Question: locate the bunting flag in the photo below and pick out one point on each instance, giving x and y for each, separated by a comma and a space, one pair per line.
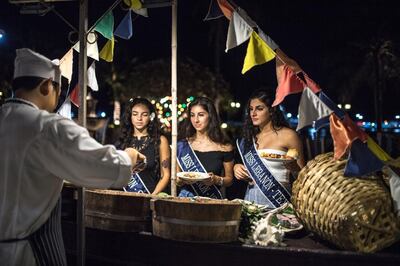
377, 150
92, 80
74, 96
65, 109
290, 83
268, 40
214, 11
238, 32
106, 26
361, 160
394, 183
107, 53
226, 8
124, 29
92, 50
66, 65
344, 133
142, 12
331, 105
258, 52
311, 108
133, 4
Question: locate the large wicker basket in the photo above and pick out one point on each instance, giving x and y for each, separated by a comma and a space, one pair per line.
352, 213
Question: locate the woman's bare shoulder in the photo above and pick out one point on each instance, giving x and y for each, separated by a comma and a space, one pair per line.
226, 147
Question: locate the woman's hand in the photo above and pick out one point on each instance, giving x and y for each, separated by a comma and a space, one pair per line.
210, 181
241, 173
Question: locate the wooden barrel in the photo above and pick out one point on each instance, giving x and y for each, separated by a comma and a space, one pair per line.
210, 221
117, 210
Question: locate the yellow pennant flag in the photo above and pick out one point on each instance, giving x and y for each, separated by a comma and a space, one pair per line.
107, 53
133, 4
378, 151
258, 52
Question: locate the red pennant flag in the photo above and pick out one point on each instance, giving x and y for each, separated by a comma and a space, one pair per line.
344, 133
287, 75
74, 96
226, 8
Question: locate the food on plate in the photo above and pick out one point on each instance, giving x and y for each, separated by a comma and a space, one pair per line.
191, 175
293, 153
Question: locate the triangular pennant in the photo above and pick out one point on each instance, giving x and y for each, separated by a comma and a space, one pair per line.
258, 52
92, 80
290, 83
214, 11
361, 160
226, 8
238, 32
74, 96
65, 109
142, 12
106, 26
268, 40
124, 29
311, 108
325, 121
394, 183
107, 53
133, 4
377, 150
66, 64
344, 133
92, 50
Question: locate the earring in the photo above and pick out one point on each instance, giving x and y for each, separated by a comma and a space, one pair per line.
152, 116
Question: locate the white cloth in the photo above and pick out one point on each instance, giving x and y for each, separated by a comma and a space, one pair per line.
311, 108
238, 32
38, 150
280, 173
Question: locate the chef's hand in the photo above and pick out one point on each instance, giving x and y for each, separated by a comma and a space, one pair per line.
241, 173
138, 160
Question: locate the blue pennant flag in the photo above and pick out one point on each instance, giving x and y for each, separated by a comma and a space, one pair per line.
214, 11
361, 160
325, 120
124, 29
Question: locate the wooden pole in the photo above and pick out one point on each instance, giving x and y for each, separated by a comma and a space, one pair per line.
83, 27
174, 95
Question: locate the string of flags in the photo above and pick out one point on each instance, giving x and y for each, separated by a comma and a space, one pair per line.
315, 107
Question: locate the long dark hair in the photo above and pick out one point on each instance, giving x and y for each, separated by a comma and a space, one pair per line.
214, 131
153, 129
278, 120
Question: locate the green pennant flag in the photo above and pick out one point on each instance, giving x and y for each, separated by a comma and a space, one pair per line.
106, 26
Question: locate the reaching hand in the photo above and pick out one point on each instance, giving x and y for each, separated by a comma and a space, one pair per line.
241, 173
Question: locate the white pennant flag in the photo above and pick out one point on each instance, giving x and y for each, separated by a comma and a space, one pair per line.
65, 109
238, 32
92, 49
311, 108
66, 63
92, 80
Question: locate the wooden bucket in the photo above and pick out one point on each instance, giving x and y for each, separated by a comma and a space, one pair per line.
210, 221
117, 210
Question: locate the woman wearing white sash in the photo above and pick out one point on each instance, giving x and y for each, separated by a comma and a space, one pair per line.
266, 129
205, 143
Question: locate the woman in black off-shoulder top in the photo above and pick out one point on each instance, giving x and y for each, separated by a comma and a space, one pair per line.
202, 131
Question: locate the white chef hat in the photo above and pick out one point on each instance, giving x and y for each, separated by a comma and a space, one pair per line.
31, 64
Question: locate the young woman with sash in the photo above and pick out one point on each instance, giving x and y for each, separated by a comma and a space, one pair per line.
202, 147
266, 131
141, 129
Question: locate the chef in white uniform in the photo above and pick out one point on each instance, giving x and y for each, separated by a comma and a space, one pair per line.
38, 150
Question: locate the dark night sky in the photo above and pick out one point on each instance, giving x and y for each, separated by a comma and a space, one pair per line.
311, 32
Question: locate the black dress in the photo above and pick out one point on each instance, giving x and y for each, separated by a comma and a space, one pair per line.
149, 176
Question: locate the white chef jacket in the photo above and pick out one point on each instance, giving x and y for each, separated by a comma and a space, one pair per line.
38, 150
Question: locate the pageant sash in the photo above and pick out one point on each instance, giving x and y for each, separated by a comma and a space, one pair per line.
136, 184
189, 162
275, 193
